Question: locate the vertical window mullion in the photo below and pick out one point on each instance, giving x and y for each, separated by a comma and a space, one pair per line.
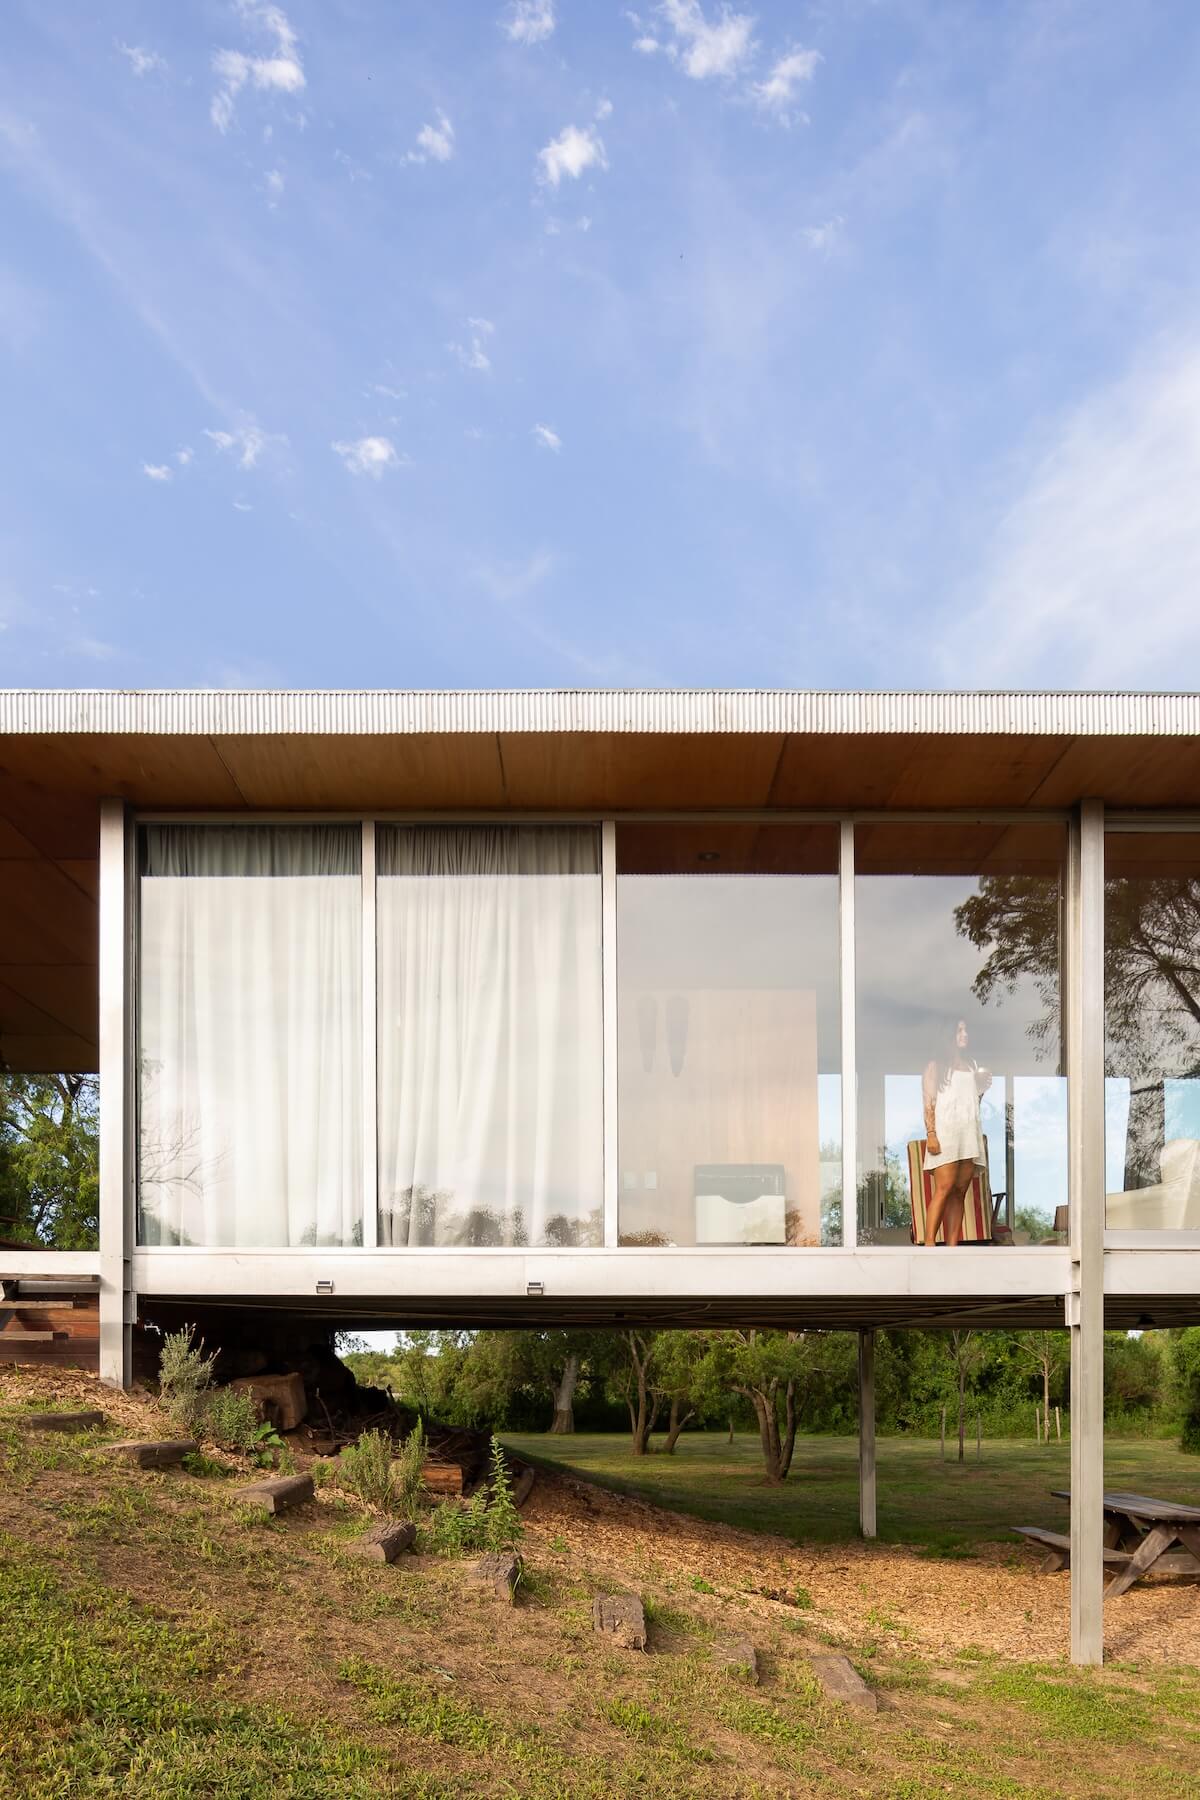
608, 953
849, 1022
370, 1007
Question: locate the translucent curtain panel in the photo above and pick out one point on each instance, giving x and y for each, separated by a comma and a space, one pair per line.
490, 1035
250, 1036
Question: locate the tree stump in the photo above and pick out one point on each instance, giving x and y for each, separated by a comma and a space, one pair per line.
442, 1478
280, 1399
501, 1573
384, 1542
840, 1681
737, 1656
277, 1496
622, 1618
166, 1455
63, 1421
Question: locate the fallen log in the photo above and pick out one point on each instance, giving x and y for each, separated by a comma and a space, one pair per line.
277, 1496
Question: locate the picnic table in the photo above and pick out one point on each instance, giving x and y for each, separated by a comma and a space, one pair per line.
1147, 1529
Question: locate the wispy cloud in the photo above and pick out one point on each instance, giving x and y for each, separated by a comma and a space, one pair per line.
824, 238
777, 93
183, 455
1094, 571
274, 183
572, 152
371, 456
472, 354
547, 438
435, 143
157, 471
142, 61
280, 70
704, 49
246, 444
529, 21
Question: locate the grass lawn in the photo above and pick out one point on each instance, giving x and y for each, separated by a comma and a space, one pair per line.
921, 1500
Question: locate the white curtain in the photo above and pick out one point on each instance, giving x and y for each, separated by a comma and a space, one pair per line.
490, 1035
250, 1035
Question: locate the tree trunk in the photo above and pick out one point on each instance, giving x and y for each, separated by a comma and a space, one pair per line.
1145, 1134
789, 1441
962, 1395
564, 1396
675, 1424
644, 1417
763, 1401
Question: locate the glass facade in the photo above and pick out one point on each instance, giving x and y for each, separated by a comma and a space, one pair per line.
728, 1034
250, 1035
1152, 1030
961, 1091
490, 1035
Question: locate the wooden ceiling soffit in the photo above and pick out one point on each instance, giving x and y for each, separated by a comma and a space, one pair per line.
1124, 772
598, 772
37, 1055
386, 773
61, 997
148, 771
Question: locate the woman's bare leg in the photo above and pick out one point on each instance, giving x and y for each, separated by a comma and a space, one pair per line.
952, 1221
943, 1187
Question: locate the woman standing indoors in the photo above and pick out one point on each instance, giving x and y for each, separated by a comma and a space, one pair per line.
954, 1146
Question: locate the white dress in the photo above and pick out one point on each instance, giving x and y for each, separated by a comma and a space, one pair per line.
956, 1120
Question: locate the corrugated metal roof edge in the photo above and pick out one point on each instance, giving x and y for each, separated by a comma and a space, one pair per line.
222, 712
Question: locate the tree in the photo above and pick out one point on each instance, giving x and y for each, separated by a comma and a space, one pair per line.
1047, 1355
50, 1159
968, 1353
630, 1379
677, 1355
1185, 1359
778, 1372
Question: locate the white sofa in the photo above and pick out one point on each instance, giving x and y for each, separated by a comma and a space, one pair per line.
1172, 1205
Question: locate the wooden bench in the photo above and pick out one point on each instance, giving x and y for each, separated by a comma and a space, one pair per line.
1058, 1546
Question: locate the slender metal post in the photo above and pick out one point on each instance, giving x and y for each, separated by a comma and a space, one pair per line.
117, 1109
370, 1041
849, 1074
608, 951
866, 1433
1085, 1302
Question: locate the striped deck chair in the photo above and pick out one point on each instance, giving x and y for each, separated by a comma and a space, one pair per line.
978, 1226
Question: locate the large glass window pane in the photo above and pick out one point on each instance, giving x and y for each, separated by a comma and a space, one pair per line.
250, 1035
491, 1039
729, 1034
1152, 1030
960, 1027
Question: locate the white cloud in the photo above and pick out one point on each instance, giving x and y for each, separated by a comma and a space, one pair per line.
280, 70
435, 143
1093, 573
141, 60
473, 355
369, 456
157, 471
246, 444
570, 153
242, 506
355, 170
823, 238
184, 456
529, 21
273, 181
702, 49
547, 438
604, 110
776, 93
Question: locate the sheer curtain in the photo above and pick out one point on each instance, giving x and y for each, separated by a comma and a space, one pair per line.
490, 1035
250, 1045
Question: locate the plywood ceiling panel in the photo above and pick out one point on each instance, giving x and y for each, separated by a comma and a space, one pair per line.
52, 821
913, 771
589, 772
149, 771
383, 773
44, 918
63, 994
1125, 772
37, 1055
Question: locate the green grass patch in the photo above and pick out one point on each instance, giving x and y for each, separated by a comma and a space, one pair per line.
421, 1709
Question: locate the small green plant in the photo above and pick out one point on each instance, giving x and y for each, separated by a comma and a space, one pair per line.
199, 1463
487, 1521
802, 1597
322, 1472
365, 1469
229, 1419
701, 1586
408, 1473
504, 1526
184, 1377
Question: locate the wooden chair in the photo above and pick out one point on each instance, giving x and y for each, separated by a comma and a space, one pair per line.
981, 1208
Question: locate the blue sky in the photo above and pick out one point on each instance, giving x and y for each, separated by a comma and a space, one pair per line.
561, 343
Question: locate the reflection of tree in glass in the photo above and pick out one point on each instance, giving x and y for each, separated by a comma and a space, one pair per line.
1151, 983
429, 1217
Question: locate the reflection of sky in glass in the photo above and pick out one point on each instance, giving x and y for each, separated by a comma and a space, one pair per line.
1181, 1105
1039, 1134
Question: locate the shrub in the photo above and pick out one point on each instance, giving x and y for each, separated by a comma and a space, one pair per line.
184, 1377
487, 1521
365, 1469
230, 1420
504, 1525
407, 1473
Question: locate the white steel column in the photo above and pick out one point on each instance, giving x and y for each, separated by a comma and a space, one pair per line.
608, 951
849, 1059
117, 1109
866, 1433
1085, 1303
370, 1040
